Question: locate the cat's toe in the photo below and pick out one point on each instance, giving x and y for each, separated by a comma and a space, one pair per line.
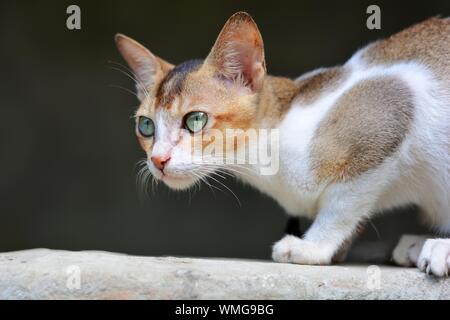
435, 257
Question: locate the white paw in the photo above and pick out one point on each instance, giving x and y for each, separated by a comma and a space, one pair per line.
291, 249
407, 251
435, 257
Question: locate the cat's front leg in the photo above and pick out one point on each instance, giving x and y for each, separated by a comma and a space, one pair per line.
336, 223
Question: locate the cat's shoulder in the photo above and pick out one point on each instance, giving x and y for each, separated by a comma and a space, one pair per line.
366, 124
357, 115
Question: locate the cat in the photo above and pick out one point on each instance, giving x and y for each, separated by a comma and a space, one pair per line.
354, 140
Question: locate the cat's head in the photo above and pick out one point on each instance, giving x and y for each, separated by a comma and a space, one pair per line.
195, 100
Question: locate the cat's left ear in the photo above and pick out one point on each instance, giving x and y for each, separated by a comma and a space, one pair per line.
148, 68
238, 54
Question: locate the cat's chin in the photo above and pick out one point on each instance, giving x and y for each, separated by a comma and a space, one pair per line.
178, 183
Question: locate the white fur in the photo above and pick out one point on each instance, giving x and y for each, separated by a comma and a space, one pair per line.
435, 257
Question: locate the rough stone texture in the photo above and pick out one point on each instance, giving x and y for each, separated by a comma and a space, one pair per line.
49, 274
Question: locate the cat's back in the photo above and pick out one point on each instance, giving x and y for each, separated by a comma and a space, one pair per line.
427, 43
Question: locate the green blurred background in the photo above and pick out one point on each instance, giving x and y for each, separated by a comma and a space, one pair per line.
67, 144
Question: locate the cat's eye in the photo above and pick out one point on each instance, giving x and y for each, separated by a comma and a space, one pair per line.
146, 127
195, 121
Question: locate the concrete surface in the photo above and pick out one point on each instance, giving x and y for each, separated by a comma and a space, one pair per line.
50, 274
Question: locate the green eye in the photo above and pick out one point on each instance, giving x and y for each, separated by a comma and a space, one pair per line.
146, 127
195, 121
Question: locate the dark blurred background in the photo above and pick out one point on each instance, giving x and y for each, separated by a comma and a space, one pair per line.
67, 144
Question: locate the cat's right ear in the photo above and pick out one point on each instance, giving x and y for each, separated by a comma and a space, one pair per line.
238, 54
147, 68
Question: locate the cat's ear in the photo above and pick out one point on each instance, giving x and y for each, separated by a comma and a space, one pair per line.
238, 54
148, 68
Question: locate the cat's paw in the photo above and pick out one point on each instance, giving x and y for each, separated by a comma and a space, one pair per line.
435, 257
291, 249
407, 251
281, 250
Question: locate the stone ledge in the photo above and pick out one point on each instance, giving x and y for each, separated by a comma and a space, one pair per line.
50, 274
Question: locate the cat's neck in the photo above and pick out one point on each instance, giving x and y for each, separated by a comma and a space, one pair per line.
275, 100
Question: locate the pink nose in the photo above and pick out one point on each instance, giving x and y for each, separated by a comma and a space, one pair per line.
160, 162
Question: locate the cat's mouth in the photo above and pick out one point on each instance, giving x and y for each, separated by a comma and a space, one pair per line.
176, 181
